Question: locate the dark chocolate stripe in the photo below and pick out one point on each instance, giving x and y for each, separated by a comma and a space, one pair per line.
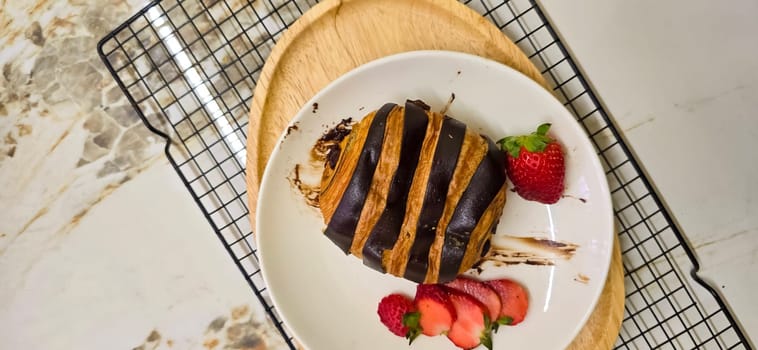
385, 232
445, 161
341, 227
482, 189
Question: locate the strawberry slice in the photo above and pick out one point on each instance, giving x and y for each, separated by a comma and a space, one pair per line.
513, 298
437, 313
399, 315
472, 327
479, 291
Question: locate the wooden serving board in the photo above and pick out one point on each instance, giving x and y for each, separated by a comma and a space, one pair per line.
336, 36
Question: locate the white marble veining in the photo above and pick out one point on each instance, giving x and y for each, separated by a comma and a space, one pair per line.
135, 264
101, 245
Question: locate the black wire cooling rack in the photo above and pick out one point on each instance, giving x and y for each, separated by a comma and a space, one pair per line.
189, 68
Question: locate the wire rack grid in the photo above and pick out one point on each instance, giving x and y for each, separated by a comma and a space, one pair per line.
189, 69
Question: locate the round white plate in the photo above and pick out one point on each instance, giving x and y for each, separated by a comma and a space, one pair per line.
329, 299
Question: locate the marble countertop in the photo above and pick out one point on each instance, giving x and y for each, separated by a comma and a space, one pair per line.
99, 239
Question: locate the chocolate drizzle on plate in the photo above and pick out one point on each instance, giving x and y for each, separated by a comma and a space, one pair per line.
306, 178
583, 200
510, 250
291, 128
581, 278
448, 104
327, 147
309, 192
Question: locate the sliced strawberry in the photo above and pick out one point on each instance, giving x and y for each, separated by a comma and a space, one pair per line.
437, 313
399, 315
480, 291
513, 298
472, 327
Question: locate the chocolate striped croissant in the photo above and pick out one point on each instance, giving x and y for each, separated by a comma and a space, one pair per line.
413, 193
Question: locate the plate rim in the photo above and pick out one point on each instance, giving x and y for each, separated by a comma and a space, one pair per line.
605, 197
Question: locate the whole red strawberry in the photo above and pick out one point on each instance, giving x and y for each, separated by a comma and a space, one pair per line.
535, 165
400, 316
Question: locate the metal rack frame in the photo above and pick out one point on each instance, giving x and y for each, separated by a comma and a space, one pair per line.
189, 67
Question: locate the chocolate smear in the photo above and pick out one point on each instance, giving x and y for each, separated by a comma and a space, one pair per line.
291, 128
327, 148
448, 104
581, 278
583, 200
510, 250
306, 178
310, 192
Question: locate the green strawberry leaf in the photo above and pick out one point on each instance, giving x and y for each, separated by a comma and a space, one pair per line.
486, 337
412, 335
511, 145
486, 340
504, 320
542, 129
411, 320
491, 325
534, 142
